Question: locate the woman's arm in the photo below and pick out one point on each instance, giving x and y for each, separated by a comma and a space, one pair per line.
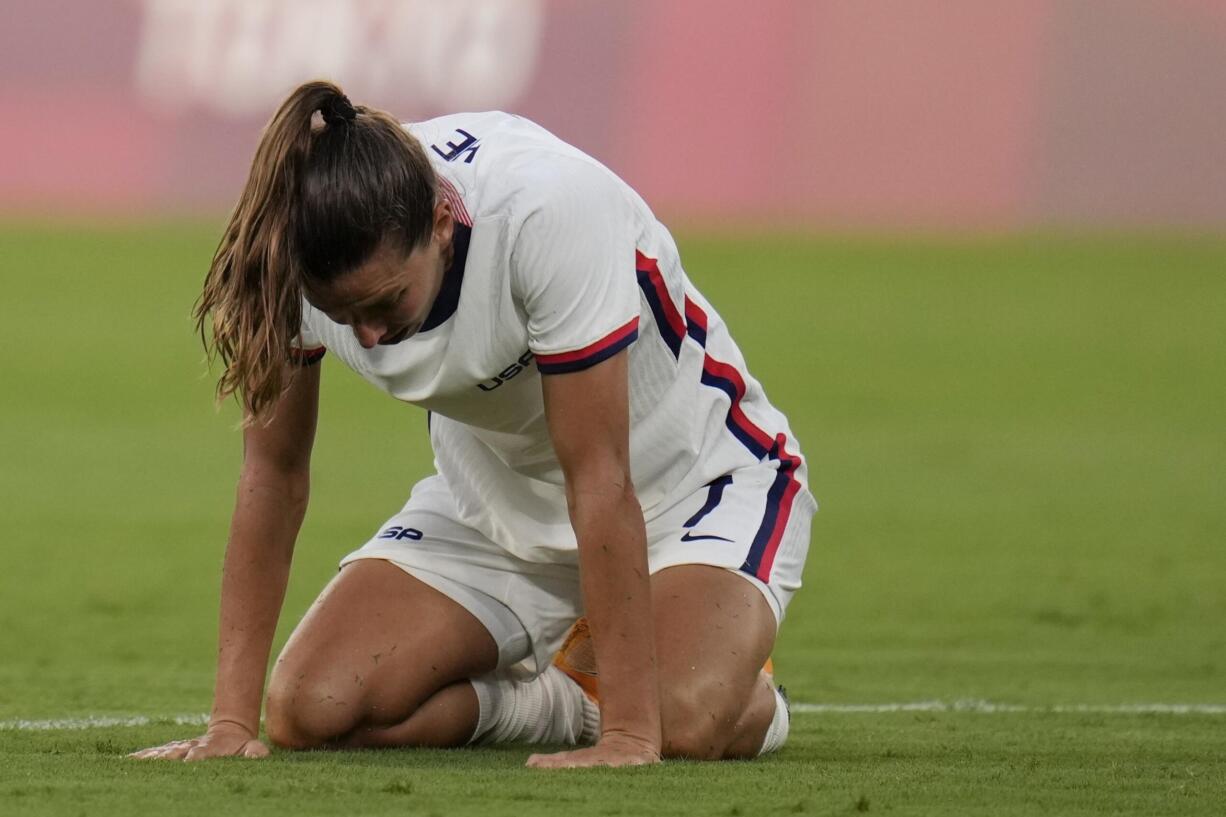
271, 502
588, 416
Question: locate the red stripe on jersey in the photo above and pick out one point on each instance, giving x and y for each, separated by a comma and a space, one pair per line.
724, 376
729, 373
788, 463
448, 192
652, 269
592, 349
305, 357
695, 315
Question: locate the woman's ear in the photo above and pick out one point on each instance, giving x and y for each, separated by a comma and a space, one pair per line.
444, 222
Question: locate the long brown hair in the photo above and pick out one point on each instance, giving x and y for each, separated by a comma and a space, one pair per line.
321, 196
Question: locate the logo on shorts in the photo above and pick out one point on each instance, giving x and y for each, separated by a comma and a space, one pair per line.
396, 532
690, 537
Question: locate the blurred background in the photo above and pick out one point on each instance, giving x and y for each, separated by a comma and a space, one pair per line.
951, 115
976, 251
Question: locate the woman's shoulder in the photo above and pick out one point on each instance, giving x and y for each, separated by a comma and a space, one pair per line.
439, 135
502, 156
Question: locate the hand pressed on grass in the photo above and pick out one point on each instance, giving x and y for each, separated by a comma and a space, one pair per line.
223, 739
611, 750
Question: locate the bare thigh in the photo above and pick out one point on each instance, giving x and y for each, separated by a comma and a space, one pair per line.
714, 631
375, 646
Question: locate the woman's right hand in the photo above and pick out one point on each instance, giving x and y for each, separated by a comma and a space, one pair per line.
223, 739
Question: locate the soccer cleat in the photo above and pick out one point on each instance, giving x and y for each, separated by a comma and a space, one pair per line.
577, 658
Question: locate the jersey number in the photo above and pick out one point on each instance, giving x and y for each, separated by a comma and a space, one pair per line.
466, 147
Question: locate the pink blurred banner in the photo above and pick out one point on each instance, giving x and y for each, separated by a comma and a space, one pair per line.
957, 114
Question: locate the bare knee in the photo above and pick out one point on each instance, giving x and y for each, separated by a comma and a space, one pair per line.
308, 711
696, 722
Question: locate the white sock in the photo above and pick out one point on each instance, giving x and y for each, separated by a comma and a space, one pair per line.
777, 732
551, 708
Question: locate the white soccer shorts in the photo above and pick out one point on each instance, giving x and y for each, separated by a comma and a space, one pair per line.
744, 522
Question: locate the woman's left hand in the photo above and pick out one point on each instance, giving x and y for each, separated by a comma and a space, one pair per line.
611, 750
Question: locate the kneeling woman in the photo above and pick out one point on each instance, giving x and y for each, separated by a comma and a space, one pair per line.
601, 452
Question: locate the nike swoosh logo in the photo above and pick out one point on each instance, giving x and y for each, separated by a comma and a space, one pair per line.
689, 537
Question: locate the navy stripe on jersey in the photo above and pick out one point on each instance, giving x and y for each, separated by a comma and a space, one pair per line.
448, 299
715, 493
723, 377
695, 323
668, 319
783, 490
778, 508
591, 354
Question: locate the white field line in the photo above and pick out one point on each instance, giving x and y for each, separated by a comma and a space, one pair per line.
99, 722
992, 708
971, 706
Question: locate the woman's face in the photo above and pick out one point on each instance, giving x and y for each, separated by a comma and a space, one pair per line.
387, 299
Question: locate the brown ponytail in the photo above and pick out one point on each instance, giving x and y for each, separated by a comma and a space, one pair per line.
319, 199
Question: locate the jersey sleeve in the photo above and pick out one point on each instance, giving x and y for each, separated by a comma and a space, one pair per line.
573, 268
306, 348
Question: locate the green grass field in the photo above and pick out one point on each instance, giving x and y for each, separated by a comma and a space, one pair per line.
1020, 450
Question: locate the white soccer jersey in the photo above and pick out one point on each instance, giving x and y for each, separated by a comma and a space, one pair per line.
559, 265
